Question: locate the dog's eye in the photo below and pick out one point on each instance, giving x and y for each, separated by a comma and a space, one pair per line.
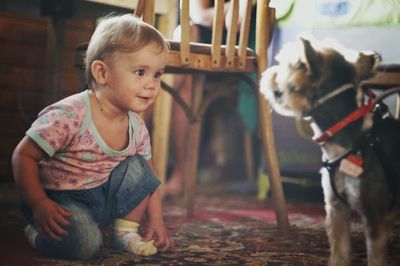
297, 90
293, 88
298, 65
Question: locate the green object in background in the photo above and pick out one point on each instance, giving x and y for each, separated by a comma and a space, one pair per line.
337, 13
263, 185
247, 105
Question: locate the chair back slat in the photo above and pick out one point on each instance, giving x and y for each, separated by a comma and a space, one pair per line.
148, 13
244, 35
217, 29
232, 33
139, 8
264, 32
185, 33
272, 19
145, 10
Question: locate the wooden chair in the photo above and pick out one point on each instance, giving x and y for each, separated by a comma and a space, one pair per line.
232, 60
200, 59
387, 78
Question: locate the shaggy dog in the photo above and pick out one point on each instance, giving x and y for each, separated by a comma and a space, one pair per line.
360, 140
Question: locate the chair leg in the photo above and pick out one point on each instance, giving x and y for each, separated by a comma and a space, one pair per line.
194, 131
268, 140
191, 167
160, 138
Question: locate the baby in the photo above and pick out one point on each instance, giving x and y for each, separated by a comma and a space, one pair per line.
85, 162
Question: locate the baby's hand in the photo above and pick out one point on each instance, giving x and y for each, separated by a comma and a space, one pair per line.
50, 219
163, 239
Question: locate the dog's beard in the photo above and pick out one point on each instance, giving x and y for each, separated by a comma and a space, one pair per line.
282, 109
277, 103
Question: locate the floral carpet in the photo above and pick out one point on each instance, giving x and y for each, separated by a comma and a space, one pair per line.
226, 230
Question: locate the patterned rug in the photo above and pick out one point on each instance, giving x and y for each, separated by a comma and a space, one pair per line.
226, 230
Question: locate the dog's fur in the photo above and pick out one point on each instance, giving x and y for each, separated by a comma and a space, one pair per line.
309, 69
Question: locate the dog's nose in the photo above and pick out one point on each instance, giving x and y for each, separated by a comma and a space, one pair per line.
277, 94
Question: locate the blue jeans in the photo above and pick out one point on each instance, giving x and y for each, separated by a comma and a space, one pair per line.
92, 209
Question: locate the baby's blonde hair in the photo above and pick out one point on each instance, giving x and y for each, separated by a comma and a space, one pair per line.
124, 33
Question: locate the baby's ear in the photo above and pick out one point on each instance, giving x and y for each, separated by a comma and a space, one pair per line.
366, 65
99, 69
313, 59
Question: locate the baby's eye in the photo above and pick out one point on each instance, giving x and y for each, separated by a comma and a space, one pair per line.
140, 72
158, 75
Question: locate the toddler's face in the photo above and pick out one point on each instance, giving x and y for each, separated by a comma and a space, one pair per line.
134, 78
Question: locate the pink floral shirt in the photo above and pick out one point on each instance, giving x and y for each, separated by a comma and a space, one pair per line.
78, 156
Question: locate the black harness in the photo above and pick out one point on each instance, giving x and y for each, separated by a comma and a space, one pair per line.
371, 140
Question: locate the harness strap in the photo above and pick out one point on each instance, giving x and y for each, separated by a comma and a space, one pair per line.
390, 174
331, 167
347, 120
381, 112
327, 97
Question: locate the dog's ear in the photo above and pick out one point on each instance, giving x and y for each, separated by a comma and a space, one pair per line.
366, 64
312, 57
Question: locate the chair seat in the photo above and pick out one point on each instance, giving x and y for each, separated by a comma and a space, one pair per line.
388, 76
201, 60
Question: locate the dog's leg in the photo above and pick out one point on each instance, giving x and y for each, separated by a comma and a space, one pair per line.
375, 214
337, 226
376, 235
338, 230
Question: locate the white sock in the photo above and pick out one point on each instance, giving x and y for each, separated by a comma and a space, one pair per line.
127, 238
31, 233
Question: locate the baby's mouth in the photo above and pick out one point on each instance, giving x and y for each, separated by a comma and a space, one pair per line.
142, 98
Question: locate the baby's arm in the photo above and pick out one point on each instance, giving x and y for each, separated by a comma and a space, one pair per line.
156, 220
49, 216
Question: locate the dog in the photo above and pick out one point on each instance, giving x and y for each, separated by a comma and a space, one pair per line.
320, 81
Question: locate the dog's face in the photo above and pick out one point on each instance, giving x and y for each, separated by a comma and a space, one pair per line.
309, 69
